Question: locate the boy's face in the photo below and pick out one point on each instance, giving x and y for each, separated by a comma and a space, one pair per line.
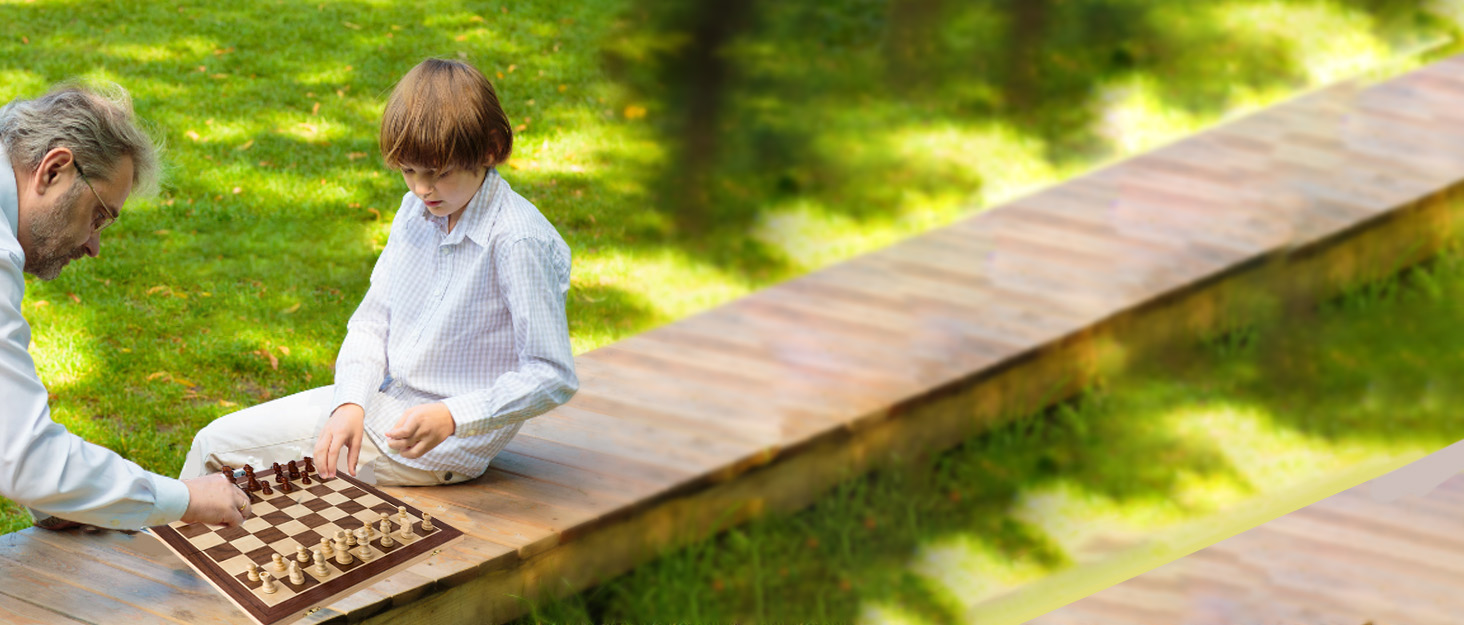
445, 192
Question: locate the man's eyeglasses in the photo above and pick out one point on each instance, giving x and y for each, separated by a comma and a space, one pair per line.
107, 216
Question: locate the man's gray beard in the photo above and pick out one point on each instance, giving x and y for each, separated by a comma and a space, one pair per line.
45, 260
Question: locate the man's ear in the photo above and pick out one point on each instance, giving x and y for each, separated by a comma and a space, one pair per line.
52, 165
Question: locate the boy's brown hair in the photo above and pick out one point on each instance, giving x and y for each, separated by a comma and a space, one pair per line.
444, 114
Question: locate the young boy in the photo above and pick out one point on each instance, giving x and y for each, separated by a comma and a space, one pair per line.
462, 334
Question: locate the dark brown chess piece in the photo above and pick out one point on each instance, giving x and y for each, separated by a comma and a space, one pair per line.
294, 471
267, 489
309, 465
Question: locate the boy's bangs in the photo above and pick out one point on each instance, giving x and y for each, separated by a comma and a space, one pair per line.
444, 114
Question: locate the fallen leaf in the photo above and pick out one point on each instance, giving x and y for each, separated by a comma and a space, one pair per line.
284, 350
375, 213
563, 87
246, 145
500, 75
127, 350
520, 128
355, 155
42, 303
635, 111
157, 288
226, 403
461, 38
476, 18
292, 309
218, 76
155, 375
315, 110
512, 67
205, 294
183, 382
191, 135
351, 26
202, 68
74, 297
274, 363
238, 190
25, 40
161, 232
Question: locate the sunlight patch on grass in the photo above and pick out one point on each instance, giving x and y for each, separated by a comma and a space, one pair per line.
885, 613
1134, 116
969, 566
1004, 161
1331, 42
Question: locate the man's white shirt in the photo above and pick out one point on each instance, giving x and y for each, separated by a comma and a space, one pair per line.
42, 465
473, 318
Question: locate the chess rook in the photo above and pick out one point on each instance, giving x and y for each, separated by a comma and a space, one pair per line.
269, 585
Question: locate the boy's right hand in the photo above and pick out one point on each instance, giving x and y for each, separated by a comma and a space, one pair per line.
344, 429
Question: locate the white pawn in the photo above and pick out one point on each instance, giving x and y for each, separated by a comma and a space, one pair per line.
269, 585
253, 571
297, 576
386, 540
320, 569
279, 564
302, 555
325, 548
426, 521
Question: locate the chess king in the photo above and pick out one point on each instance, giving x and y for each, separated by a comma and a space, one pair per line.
461, 336
68, 162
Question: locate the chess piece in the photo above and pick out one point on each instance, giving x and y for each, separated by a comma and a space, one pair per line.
309, 465
305, 479
286, 487
343, 555
297, 577
269, 585
279, 478
294, 470
325, 547
426, 521
385, 519
320, 570
249, 470
253, 483
253, 571
386, 540
276, 468
302, 554
278, 563
406, 528
267, 489
227, 470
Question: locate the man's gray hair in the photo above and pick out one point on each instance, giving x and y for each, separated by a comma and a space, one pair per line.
96, 123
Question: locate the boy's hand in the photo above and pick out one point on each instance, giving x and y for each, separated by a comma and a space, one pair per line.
215, 500
344, 429
420, 429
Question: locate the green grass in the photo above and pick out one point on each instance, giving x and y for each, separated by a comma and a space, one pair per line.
839, 127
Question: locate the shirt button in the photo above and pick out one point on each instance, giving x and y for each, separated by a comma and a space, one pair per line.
444, 250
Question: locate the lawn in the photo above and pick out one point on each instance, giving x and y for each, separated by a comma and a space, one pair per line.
683, 178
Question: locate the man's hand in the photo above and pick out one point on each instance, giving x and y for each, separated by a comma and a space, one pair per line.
215, 500
344, 429
420, 429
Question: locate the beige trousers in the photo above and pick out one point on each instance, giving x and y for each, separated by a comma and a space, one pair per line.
285, 429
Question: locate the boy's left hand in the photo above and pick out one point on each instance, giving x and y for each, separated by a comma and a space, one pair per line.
420, 429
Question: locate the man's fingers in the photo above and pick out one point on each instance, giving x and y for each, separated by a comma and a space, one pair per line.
332, 455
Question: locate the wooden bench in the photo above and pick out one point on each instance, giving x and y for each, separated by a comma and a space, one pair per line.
766, 402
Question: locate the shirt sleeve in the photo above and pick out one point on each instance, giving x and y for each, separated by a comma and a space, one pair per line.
47, 468
361, 364
534, 282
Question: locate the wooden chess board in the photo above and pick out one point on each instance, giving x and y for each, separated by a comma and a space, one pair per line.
281, 523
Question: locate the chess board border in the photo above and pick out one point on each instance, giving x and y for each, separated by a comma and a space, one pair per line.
297, 606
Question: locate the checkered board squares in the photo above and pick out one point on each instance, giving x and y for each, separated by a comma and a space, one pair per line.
283, 522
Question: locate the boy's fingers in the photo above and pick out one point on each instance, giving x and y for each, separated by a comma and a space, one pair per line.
332, 455
355, 452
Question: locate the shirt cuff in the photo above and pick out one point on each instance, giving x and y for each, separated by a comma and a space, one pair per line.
468, 417
172, 500
352, 393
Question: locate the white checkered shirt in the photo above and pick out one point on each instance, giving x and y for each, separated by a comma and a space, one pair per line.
473, 318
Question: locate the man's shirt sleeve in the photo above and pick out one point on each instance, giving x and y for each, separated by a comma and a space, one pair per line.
51, 470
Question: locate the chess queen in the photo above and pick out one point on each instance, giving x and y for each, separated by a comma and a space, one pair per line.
461, 335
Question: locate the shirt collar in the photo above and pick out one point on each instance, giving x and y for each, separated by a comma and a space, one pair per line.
477, 219
9, 195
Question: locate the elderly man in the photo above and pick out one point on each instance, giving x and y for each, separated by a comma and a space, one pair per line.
68, 161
